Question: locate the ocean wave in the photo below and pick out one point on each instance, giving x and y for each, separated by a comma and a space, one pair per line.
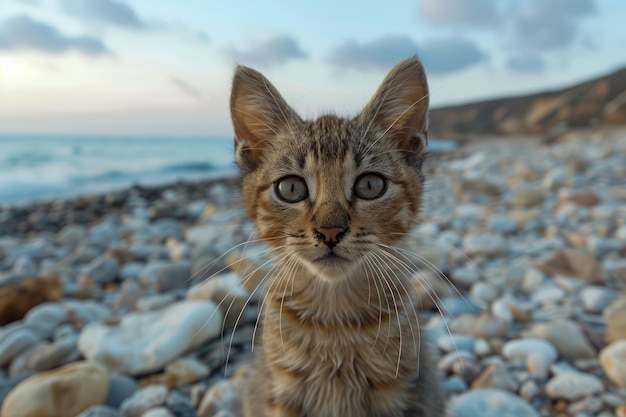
190, 167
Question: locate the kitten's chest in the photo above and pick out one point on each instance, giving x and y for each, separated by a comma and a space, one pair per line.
340, 369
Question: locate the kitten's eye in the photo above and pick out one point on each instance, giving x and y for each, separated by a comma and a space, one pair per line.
291, 189
370, 186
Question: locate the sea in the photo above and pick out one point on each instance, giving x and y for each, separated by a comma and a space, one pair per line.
43, 168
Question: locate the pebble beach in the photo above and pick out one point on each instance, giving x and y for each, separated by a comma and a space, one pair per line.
143, 302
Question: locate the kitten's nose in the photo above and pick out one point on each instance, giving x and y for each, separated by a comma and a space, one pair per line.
330, 235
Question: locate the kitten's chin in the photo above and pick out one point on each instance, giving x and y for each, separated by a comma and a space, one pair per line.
332, 267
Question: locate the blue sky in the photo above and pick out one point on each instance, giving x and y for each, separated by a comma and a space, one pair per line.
164, 67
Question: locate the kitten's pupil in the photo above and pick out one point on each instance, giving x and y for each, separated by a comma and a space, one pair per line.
370, 186
291, 189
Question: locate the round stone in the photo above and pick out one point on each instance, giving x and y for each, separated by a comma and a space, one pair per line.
66, 391
490, 403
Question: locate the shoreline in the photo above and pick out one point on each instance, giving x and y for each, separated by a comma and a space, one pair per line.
98, 205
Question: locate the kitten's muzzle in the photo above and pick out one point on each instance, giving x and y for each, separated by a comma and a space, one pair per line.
330, 235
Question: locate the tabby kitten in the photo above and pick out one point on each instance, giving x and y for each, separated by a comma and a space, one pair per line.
333, 197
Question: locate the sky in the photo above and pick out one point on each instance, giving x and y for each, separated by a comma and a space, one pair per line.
164, 67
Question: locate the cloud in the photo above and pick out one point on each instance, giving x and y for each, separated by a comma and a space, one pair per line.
379, 54
271, 51
122, 16
543, 24
110, 12
182, 31
21, 32
439, 56
526, 63
186, 88
29, 2
474, 13
526, 29
448, 55
548, 25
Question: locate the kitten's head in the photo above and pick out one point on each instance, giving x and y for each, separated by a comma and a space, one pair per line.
331, 191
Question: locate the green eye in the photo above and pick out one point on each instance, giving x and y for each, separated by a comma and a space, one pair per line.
370, 186
291, 189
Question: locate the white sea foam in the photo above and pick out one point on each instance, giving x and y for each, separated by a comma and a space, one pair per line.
36, 168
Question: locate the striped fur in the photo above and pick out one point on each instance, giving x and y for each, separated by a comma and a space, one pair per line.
340, 333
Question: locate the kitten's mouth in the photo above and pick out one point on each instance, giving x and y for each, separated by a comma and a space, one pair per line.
331, 258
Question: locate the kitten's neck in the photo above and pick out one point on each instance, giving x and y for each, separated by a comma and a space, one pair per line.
348, 299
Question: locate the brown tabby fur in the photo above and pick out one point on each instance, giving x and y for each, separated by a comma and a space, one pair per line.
341, 336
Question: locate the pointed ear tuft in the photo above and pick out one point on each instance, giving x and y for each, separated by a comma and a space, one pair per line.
259, 113
400, 106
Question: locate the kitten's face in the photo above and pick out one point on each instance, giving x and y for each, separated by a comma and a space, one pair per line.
332, 192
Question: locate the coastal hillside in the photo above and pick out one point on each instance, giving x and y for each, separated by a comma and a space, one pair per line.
601, 101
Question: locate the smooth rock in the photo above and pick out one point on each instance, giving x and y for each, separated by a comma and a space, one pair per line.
100, 411
52, 356
613, 361
484, 325
601, 247
83, 254
485, 292
615, 317
45, 318
143, 400
465, 276
120, 388
529, 390
17, 298
166, 276
486, 244
180, 403
71, 235
85, 312
502, 224
456, 306
565, 336
585, 198
455, 384
533, 280
131, 270
588, 405
63, 392
158, 412
145, 342
16, 342
186, 371
537, 353
24, 266
227, 292
456, 342
154, 302
548, 295
572, 263
495, 376
102, 270
490, 403
129, 293
526, 196
224, 395
596, 298
573, 386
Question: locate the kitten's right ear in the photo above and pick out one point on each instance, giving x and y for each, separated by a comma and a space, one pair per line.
258, 113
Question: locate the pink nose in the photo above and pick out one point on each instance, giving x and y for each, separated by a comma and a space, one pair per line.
330, 235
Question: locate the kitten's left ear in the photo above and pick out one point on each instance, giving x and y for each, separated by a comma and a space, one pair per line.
259, 113
400, 106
